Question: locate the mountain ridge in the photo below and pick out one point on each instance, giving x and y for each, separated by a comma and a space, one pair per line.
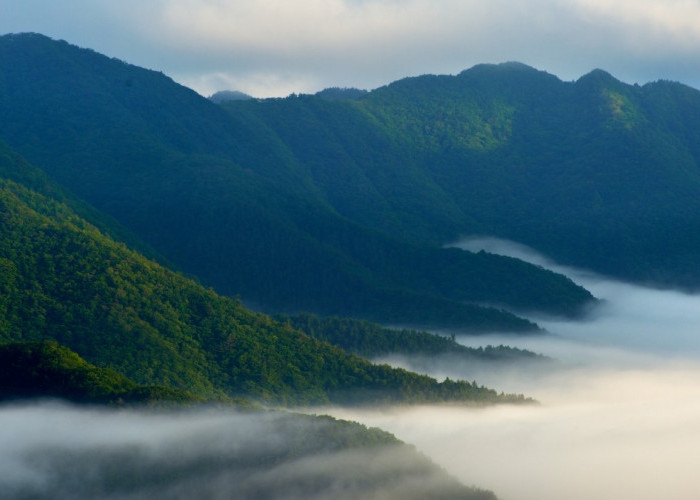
223, 197
61, 279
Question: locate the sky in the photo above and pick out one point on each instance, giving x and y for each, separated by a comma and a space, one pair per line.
271, 48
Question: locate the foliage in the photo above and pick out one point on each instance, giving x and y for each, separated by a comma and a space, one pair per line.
305, 203
206, 453
46, 369
64, 280
371, 340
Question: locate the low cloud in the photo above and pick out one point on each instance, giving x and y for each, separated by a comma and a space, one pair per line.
618, 414
56, 451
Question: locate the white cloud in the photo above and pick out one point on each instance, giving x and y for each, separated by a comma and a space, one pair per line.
269, 46
647, 22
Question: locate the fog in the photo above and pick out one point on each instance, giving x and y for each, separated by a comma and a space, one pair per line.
618, 418
56, 451
619, 412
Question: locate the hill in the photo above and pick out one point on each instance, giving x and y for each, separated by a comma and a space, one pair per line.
228, 196
594, 173
249, 444
81, 452
61, 279
373, 341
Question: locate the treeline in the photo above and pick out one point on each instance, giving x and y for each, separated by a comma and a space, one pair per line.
371, 340
250, 442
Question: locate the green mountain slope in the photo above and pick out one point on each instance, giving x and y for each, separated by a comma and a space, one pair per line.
372, 341
261, 442
226, 196
61, 279
595, 173
45, 369
80, 452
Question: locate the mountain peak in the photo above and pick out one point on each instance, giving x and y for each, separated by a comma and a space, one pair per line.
598, 76
229, 95
509, 66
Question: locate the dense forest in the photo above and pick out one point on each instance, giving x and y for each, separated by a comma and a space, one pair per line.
63, 279
260, 209
40, 370
371, 341
594, 173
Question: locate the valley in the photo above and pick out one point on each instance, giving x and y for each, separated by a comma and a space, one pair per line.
224, 272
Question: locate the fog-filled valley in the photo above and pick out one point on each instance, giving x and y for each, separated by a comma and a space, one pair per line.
619, 401
618, 398
183, 274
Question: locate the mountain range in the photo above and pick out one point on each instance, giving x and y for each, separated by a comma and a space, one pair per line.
220, 194
345, 202
146, 232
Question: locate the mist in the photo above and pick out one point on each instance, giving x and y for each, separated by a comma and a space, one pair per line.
619, 412
618, 418
53, 450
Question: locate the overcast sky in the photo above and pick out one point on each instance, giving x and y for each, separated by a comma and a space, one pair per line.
276, 47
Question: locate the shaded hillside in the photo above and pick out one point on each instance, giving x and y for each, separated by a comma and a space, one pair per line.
595, 173
371, 341
226, 196
61, 279
261, 441
45, 369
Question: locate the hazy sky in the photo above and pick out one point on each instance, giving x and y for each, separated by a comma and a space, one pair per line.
275, 47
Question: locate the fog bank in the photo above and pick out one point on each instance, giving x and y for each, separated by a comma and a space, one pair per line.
57, 451
620, 408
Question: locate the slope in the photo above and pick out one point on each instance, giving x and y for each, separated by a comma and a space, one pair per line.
61, 279
58, 465
38, 370
224, 197
595, 173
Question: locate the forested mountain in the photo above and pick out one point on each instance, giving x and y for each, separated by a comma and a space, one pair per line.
61, 279
372, 341
595, 173
307, 203
253, 446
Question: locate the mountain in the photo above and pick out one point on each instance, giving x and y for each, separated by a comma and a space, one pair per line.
62, 279
595, 173
289, 216
250, 443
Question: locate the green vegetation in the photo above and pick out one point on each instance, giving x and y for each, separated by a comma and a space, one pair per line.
62, 279
46, 369
248, 445
310, 203
371, 340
